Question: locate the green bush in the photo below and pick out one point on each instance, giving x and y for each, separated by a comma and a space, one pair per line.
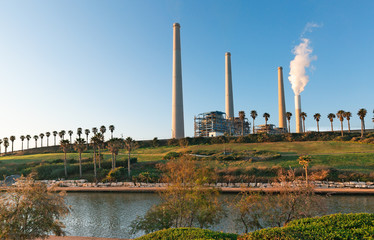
335, 226
187, 233
172, 155
116, 174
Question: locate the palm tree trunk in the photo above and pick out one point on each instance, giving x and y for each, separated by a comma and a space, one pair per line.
47, 141
99, 157
332, 128
55, 140
318, 126
253, 127
349, 126
115, 159
362, 127
12, 146
70, 138
303, 125
36, 143
243, 128
41, 142
80, 164
112, 161
128, 166
95, 164
289, 127
22, 146
27, 144
65, 166
341, 127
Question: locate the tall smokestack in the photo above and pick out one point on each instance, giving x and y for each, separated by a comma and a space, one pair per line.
297, 114
177, 121
281, 103
228, 89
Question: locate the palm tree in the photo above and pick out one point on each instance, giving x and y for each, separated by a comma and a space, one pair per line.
47, 134
12, 138
266, 116
130, 145
87, 132
65, 145
114, 145
80, 146
100, 145
62, 134
317, 117
362, 113
305, 161
111, 128
6, 144
103, 130
253, 115
79, 132
1, 142
22, 139
289, 115
95, 141
28, 137
94, 130
242, 117
54, 135
41, 139
70, 132
36, 140
331, 116
348, 116
341, 114
303, 116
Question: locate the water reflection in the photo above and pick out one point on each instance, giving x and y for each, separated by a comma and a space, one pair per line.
110, 214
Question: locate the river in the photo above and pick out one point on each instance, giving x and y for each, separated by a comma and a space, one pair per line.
110, 214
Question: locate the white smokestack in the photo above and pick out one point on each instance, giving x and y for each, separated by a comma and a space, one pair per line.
297, 114
177, 120
228, 87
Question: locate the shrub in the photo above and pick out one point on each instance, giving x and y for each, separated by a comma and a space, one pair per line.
187, 233
335, 226
172, 155
116, 174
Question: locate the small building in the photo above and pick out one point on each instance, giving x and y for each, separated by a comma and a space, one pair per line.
270, 129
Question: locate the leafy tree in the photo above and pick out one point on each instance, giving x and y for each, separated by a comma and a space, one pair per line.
65, 145
303, 115
36, 137
41, 139
242, 117
266, 116
12, 138
111, 129
114, 145
47, 134
87, 132
304, 161
28, 137
253, 115
340, 115
31, 210
155, 142
348, 116
289, 115
362, 113
54, 135
80, 146
130, 145
6, 143
70, 132
317, 117
331, 116
186, 202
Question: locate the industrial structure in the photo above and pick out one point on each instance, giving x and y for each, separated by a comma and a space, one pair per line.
177, 119
216, 123
281, 101
229, 101
297, 114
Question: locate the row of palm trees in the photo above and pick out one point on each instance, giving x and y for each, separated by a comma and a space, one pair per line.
61, 134
341, 115
98, 144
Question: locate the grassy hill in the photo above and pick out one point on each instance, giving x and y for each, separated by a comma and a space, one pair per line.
350, 158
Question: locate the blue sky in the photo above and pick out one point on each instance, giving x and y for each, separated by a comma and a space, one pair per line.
69, 64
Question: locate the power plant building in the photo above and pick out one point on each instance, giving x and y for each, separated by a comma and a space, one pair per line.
214, 124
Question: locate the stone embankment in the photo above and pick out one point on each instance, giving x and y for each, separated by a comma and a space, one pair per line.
317, 184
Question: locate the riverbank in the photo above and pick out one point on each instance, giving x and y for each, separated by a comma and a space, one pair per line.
81, 238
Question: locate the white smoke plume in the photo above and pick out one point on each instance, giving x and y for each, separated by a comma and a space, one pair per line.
298, 65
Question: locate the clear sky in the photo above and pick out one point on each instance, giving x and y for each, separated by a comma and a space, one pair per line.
69, 64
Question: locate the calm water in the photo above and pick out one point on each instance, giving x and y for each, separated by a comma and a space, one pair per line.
110, 214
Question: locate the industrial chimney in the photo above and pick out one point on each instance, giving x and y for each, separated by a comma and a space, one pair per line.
228, 88
297, 113
281, 102
177, 121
